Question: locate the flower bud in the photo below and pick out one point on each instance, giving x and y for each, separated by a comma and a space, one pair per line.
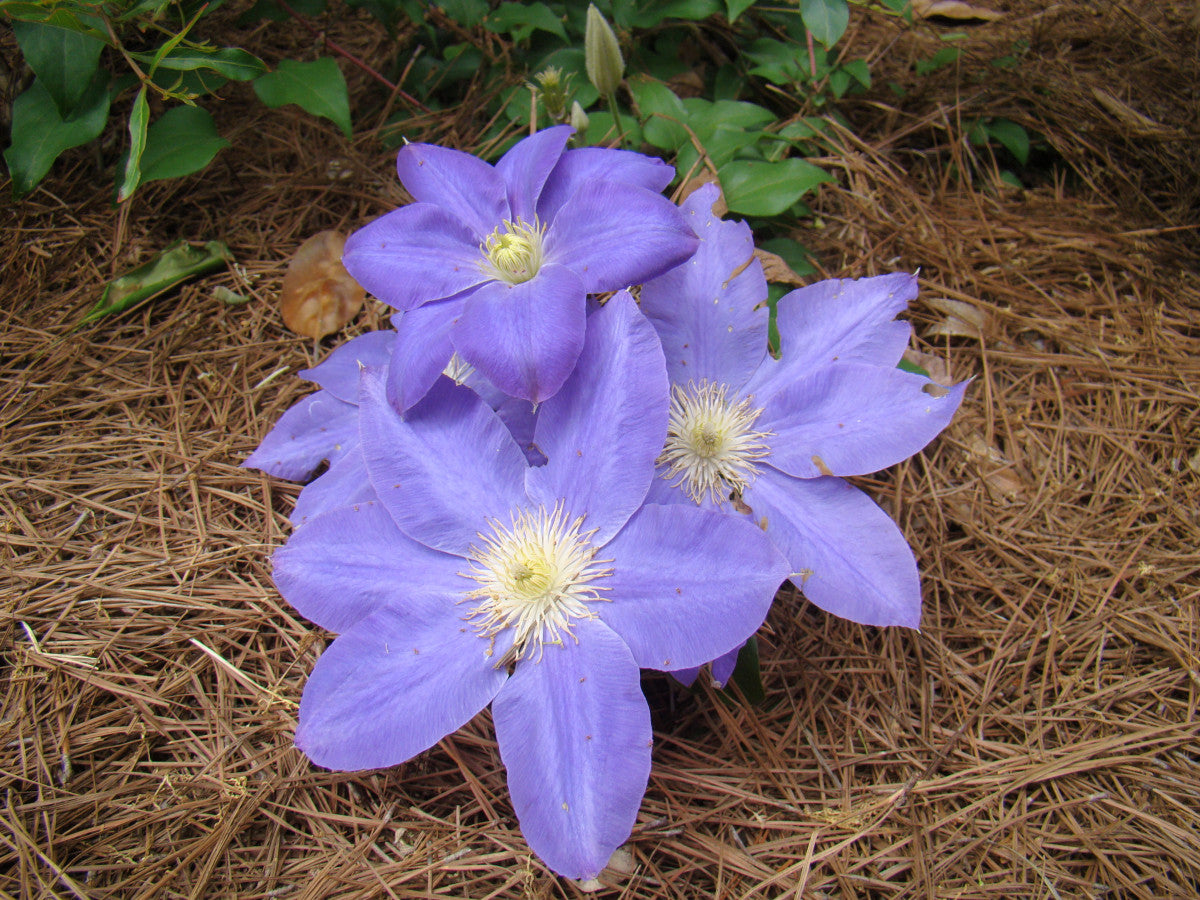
602, 54
552, 88
579, 119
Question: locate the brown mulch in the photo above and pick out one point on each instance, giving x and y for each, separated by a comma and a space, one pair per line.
1037, 738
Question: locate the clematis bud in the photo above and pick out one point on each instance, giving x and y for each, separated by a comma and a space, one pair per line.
602, 53
579, 119
552, 88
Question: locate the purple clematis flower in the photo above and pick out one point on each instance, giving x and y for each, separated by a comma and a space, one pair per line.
324, 427
778, 433
477, 579
495, 262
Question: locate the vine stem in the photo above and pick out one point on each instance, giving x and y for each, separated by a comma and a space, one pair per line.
346, 54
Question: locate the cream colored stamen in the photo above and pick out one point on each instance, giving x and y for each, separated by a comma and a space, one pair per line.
711, 443
513, 252
535, 576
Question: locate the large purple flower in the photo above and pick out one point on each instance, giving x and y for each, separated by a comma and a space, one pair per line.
778, 433
495, 262
477, 579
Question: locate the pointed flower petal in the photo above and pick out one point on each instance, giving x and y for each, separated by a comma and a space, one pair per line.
414, 255
423, 349
344, 565
458, 182
345, 483
587, 165
710, 312
446, 469
853, 419
688, 584
524, 338
393, 686
338, 372
615, 235
838, 320
574, 734
845, 553
526, 167
602, 432
314, 429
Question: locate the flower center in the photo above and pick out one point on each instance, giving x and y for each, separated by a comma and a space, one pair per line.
458, 369
513, 252
535, 576
711, 443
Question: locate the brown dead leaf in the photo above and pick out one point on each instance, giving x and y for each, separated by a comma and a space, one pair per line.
1000, 474
938, 369
1141, 125
693, 184
962, 319
319, 297
953, 9
776, 270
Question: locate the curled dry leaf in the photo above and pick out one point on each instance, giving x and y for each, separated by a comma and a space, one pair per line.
953, 9
962, 319
1000, 474
776, 270
319, 297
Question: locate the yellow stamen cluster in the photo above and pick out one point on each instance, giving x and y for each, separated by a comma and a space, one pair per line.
711, 442
534, 577
513, 252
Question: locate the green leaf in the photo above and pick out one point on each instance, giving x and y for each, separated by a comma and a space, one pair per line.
232, 63
464, 12
768, 188
662, 113
183, 140
826, 19
1014, 138
791, 252
63, 60
139, 121
40, 134
747, 674
520, 20
317, 87
734, 8
177, 263
692, 10
905, 366
944, 57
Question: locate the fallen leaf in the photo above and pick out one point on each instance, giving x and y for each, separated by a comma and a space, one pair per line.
776, 270
934, 366
953, 9
176, 264
962, 319
319, 297
1141, 125
1000, 474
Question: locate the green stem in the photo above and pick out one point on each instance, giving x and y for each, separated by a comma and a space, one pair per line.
611, 101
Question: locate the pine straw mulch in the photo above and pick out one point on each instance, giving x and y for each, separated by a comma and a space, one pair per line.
1038, 738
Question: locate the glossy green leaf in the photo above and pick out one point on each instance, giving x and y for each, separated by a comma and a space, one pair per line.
230, 62
662, 113
63, 60
826, 19
755, 188
520, 20
317, 87
183, 140
139, 122
174, 265
40, 134
465, 12
791, 252
905, 366
692, 10
1012, 136
734, 8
